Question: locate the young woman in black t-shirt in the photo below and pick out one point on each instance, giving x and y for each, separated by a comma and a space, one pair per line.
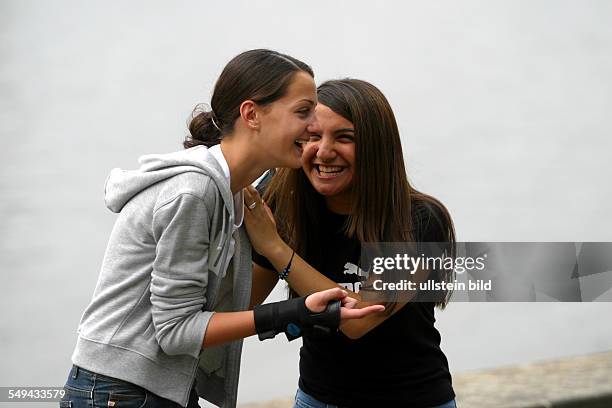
353, 188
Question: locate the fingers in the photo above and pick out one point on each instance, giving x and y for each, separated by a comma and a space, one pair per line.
328, 295
251, 196
317, 302
252, 190
349, 302
348, 313
247, 217
268, 211
252, 200
248, 195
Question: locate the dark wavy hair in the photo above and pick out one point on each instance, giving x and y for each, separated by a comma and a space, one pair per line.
383, 202
260, 75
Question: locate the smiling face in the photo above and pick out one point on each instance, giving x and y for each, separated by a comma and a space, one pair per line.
329, 158
284, 122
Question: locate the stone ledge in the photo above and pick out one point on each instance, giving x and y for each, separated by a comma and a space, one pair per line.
572, 382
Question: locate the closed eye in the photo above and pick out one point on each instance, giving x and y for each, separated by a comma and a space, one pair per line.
347, 138
304, 112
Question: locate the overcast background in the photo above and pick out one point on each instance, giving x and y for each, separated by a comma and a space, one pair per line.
504, 110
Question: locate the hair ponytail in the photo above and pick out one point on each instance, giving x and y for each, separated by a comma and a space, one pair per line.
204, 129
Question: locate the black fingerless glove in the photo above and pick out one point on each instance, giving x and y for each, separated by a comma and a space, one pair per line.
293, 318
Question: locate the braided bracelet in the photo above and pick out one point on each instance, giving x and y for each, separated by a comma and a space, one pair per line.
285, 272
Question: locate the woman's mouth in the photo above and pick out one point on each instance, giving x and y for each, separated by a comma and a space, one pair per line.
328, 172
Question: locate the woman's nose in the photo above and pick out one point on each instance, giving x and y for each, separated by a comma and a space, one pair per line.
326, 150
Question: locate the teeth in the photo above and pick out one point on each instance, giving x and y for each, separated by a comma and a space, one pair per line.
330, 169
301, 141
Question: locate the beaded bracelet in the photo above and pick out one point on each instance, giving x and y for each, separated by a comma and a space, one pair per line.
285, 272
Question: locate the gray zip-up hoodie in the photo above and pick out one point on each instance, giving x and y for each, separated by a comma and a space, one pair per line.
162, 277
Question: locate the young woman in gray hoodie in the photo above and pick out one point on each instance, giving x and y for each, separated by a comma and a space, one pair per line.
171, 303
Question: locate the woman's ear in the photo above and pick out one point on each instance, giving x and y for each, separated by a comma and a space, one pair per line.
249, 113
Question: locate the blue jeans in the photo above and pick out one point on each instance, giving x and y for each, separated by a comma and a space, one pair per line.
303, 400
86, 389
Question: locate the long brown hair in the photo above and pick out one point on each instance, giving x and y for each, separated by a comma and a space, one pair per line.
260, 75
382, 198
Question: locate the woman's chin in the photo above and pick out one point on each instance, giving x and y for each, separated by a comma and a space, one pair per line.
325, 190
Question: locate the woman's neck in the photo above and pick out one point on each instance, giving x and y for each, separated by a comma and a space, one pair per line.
339, 203
243, 165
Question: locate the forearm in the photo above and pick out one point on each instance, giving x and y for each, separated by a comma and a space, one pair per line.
264, 281
303, 278
229, 326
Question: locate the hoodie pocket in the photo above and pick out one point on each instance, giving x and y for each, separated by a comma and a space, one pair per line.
137, 332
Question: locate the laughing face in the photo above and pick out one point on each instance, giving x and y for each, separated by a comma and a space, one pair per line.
285, 122
329, 158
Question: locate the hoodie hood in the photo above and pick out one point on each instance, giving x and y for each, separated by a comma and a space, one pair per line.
122, 185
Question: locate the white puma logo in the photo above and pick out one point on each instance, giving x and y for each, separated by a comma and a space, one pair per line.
355, 276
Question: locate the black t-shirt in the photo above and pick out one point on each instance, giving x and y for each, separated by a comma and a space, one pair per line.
397, 364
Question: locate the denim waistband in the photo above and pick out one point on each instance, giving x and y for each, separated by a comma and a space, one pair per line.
77, 372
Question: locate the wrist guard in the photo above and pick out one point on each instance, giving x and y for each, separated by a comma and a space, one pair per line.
293, 318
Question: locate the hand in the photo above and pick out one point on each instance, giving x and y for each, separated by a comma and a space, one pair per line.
317, 302
259, 222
